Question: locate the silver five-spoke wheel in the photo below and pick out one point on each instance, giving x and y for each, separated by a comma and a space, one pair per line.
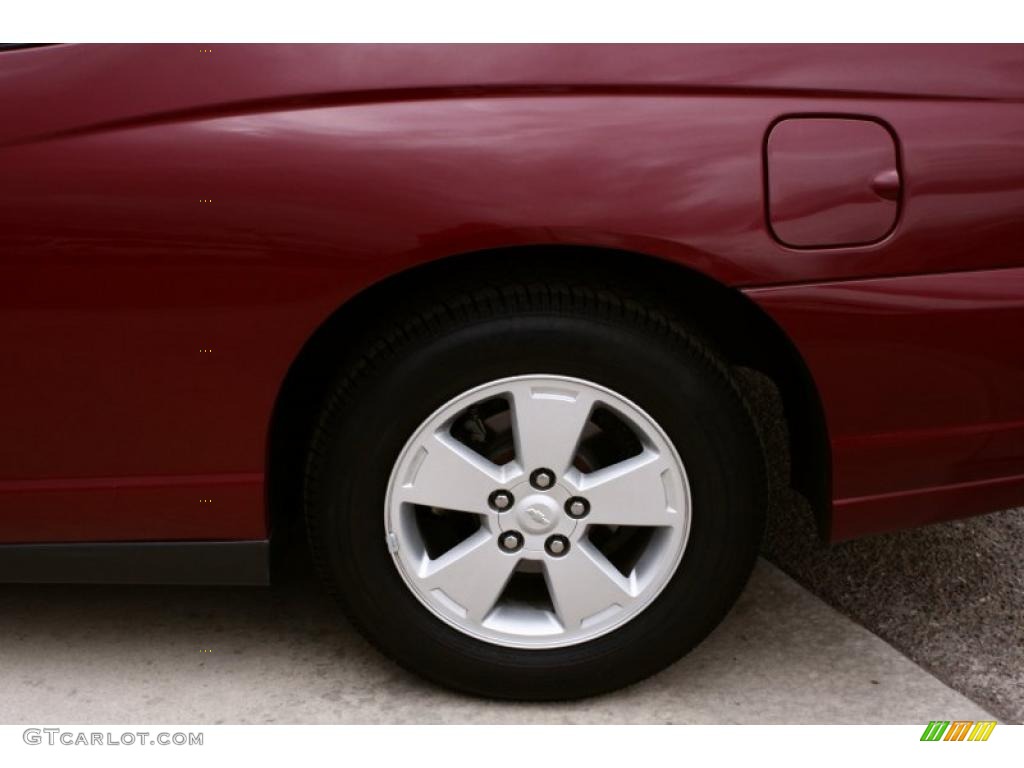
537, 511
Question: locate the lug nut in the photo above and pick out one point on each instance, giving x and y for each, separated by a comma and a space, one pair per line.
577, 507
511, 541
542, 479
556, 545
501, 500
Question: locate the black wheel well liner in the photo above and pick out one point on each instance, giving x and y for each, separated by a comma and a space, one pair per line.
740, 330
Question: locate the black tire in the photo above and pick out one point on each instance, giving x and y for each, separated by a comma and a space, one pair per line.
443, 347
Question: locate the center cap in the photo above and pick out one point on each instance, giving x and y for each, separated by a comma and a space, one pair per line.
537, 513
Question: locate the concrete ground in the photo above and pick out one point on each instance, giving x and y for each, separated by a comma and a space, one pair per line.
949, 596
79, 654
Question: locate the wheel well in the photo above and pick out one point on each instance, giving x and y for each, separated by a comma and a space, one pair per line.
741, 331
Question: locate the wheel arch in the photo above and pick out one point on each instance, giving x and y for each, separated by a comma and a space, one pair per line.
740, 329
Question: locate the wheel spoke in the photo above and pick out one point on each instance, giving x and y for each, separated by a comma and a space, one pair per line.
632, 492
583, 584
548, 423
472, 575
449, 475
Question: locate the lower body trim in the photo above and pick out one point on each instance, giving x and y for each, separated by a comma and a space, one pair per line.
241, 563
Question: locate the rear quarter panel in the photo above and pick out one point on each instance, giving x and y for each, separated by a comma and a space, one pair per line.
168, 250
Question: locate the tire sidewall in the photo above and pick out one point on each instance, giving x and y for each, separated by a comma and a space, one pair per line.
679, 385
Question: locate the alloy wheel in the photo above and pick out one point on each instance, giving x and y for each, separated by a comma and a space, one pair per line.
537, 511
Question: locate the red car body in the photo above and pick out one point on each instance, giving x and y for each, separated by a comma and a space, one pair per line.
178, 221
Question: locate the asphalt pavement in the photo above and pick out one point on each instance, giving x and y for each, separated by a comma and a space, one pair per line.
950, 596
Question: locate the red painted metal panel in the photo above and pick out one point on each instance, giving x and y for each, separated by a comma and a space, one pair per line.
208, 508
921, 379
831, 181
156, 202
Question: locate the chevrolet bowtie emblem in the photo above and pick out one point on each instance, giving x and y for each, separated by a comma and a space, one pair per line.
538, 515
